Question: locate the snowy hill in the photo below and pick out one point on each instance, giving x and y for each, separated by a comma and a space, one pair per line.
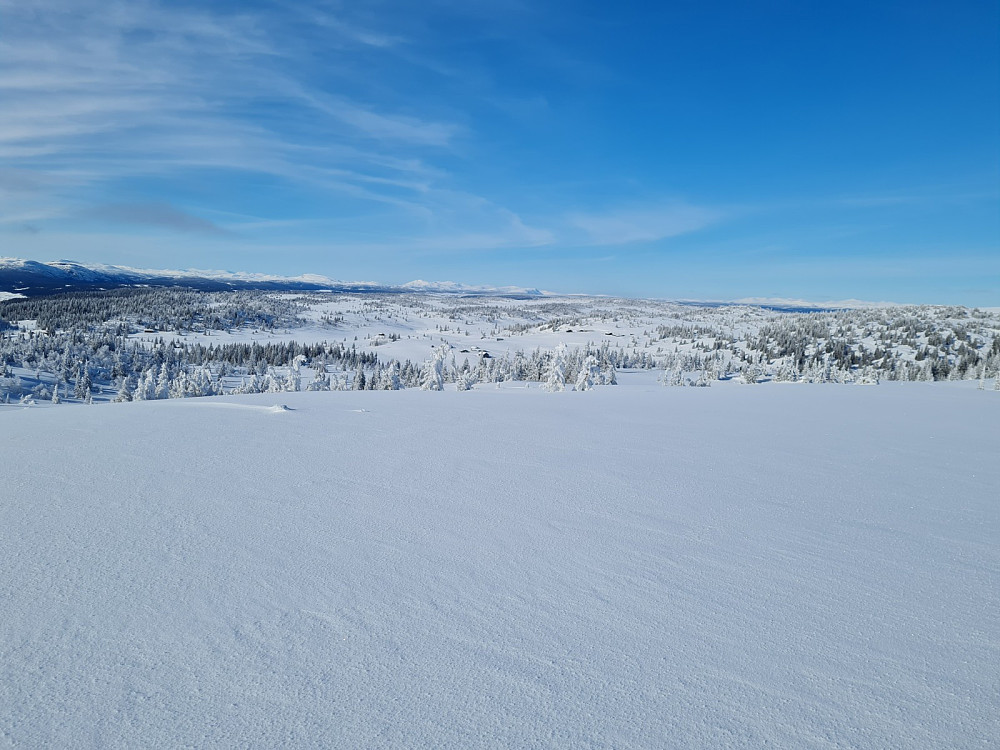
630, 567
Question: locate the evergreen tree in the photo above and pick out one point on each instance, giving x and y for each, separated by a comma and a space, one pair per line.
589, 375
162, 389
555, 376
432, 378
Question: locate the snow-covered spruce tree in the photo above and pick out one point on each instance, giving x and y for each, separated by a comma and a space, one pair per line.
179, 386
204, 384
432, 378
145, 390
868, 376
162, 389
609, 375
589, 375
320, 382
393, 382
555, 374
465, 381
673, 377
786, 372
273, 382
83, 382
125, 389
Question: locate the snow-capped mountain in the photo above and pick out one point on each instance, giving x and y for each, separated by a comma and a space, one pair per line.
19, 277
451, 287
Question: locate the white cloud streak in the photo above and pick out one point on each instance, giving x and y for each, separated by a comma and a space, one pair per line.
101, 95
120, 88
647, 224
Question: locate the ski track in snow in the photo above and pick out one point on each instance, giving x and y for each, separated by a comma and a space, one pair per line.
798, 566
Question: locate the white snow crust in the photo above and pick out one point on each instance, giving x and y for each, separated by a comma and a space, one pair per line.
637, 566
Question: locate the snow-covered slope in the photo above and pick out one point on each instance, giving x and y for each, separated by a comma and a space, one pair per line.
628, 567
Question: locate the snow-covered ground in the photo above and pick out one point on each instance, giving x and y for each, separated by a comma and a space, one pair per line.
157, 343
633, 566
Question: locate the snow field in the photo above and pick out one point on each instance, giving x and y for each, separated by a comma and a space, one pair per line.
629, 567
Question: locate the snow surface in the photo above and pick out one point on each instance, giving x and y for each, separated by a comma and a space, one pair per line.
637, 566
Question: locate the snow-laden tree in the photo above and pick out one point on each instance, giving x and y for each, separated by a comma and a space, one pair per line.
786, 372
145, 390
465, 380
392, 377
432, 378
125, 389
555, 374
10, 386
868, 376
609, 375
673, 377
589, 375
163, 382
203, 384
750, 374
273, 382
320, 382
83, 382
179, 386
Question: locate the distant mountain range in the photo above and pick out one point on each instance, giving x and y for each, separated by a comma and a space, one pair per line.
29, 278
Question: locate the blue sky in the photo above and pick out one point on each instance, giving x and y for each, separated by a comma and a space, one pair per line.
682, 150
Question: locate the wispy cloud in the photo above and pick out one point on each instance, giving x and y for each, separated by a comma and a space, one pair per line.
117, 89
645, 224
344, 29
160, 215
119, 111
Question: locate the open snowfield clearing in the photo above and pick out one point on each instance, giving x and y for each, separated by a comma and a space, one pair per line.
633, 566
